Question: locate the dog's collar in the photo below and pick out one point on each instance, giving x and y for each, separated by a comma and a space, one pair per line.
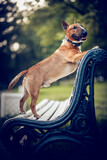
75, 44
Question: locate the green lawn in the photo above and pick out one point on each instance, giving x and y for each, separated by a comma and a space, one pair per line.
55, 92
101, 100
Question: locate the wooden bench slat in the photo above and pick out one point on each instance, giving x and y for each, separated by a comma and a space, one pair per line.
41, 104
45, 108
60, 110
57, 113
50, 111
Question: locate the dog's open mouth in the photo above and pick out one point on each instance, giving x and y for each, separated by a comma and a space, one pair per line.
78, 38
83, 38
75, 37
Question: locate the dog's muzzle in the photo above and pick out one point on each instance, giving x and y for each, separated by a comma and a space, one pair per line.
81, 37
84, 34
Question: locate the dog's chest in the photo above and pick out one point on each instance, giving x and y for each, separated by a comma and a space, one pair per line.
70, 68
67, 70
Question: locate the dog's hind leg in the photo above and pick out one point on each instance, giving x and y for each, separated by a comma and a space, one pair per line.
23, 99
34, 98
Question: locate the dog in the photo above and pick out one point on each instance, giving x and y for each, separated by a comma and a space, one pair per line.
62, 62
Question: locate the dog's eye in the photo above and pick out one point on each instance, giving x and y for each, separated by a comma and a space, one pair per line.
74, 27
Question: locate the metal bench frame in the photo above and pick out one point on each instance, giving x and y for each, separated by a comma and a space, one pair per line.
27, 138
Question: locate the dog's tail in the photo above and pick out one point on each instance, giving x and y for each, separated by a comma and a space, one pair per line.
16, 78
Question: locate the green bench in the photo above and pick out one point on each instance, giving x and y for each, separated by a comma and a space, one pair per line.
65, 130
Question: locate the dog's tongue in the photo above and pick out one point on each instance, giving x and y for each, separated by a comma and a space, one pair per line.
83, 38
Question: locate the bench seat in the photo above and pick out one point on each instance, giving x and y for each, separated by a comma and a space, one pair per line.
47, 110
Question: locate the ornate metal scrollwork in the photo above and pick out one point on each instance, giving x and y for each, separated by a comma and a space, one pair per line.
99, 55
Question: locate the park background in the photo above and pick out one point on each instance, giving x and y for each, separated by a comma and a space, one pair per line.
30, 30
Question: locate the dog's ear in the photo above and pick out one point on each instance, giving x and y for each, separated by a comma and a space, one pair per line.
64, 25
75, 21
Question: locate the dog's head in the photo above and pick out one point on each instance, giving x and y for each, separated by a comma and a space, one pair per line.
75, 32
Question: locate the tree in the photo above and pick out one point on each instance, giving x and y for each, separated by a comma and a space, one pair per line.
42, 33
9, 29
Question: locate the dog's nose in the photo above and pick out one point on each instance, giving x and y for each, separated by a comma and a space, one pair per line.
84, 32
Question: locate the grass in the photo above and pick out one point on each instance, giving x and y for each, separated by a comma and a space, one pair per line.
101, 100
55, 92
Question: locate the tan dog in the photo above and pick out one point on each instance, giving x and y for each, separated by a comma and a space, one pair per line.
61, 63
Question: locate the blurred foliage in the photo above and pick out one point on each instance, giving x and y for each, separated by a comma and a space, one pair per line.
9, 30
38, 32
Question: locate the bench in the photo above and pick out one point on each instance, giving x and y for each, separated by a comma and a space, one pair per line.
65, 130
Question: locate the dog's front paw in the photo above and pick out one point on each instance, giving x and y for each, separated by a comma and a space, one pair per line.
95, 47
